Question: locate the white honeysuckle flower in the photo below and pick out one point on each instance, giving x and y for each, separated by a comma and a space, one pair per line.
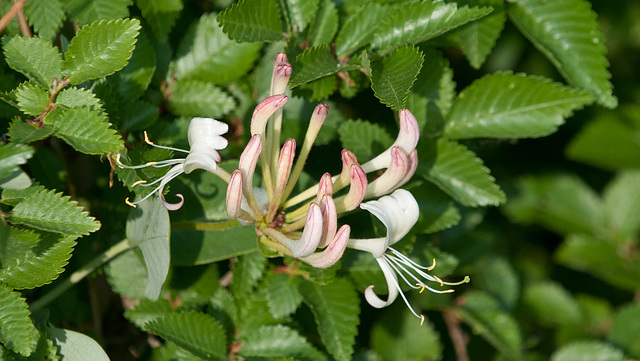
398, 212
205, 139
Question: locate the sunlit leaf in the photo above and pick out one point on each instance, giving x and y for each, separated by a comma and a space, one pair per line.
36, 58
277, 341
393, 77
84, 129
12, 155
252, 20
17, 333
587, 351
45, 16
75, 346
324, 24
358, 29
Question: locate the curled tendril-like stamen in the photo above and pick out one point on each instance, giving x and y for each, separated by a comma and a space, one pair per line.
129, 203
439, 280
421, 319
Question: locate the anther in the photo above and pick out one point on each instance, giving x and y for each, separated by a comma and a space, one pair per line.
421, 319
129, 203
421, 285
433, 265
146, 138
439, 280
138, 182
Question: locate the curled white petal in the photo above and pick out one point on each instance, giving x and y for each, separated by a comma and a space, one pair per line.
392, 285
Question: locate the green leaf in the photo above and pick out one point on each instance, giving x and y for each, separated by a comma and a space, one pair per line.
199, 333
505, 105
148, 310
283, 296
364, 139
497, 277
437, 210
45, 16
17, 333
591, 350
199, 98
76, 97
615, 265
568, 34
100, 49
127, 274
36, 58
40, 265
161, 15
358, 30
85, 130
313, 64
432, 94
206, 53
625, 328
252, 20
224, 309
50, 211
324, 24
551, 304
247, 270
476, 39
402, 337
335, 308
148, 228
87, 11
15, 242
459, 173
12, 155
562, 203
485, 317
301, 12
393, 77
277, 341
32, 99
417, 22
136, 76
139, 115
75, 346
609, 141
622, 205
190, 247
14, 196
318, 89
23, 132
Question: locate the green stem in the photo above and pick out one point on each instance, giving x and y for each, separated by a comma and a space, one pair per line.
81, 273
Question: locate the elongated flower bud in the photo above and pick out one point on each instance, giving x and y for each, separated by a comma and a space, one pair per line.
333, 252
407, 139
234, 195
247, 164
264, 111
281, 75
329, 220
311, 234
390, 179
357, 190
325, 187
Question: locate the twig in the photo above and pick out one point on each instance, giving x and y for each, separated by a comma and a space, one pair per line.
458, 337
24, 25
17, 6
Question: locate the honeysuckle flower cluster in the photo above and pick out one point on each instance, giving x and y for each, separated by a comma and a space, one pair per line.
305, 225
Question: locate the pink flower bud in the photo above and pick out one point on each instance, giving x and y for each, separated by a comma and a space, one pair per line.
357, 190
391, 178
287, 153
407, 139
234, 194
247, 165
333, 252
329, 220
281, 75
325, 187
264, 111
310, 238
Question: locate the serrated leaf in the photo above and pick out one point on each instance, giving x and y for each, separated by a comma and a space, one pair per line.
148, 228
14, 196
17, 333
324, 25
591, 350
198, 333
252, 20
313, 64
459, 173
40, 265
622, 205
402, 337
393, 77
100, 49
301, 12
199, 98
136, 76
247, 270
358, 30
562, 203
161, 15
87, 11
139, 115
505, 105
507, 291
437, 209
32, 99
318, 89
15, 242
23, 132
75, 346
84, 129
551, 304
486, 318
568, 34
147, 311
283, 296
335, 307
206, 53
36, 58
601, 259
277, 341
417, 22
609, 141
364, 139
625, 328
45, 16
50, 211
12, 155
477, 39
76, 97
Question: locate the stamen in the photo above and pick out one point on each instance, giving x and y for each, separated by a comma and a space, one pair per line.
421, 285
421, 319
129, 203
138, 182
439, 280
146, 138
433, 265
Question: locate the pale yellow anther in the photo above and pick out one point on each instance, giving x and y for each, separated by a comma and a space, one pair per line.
129, 203
138, 182
150, 163
421, 319
448, 291
146, 138
432, 265
421, 285
439, 280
